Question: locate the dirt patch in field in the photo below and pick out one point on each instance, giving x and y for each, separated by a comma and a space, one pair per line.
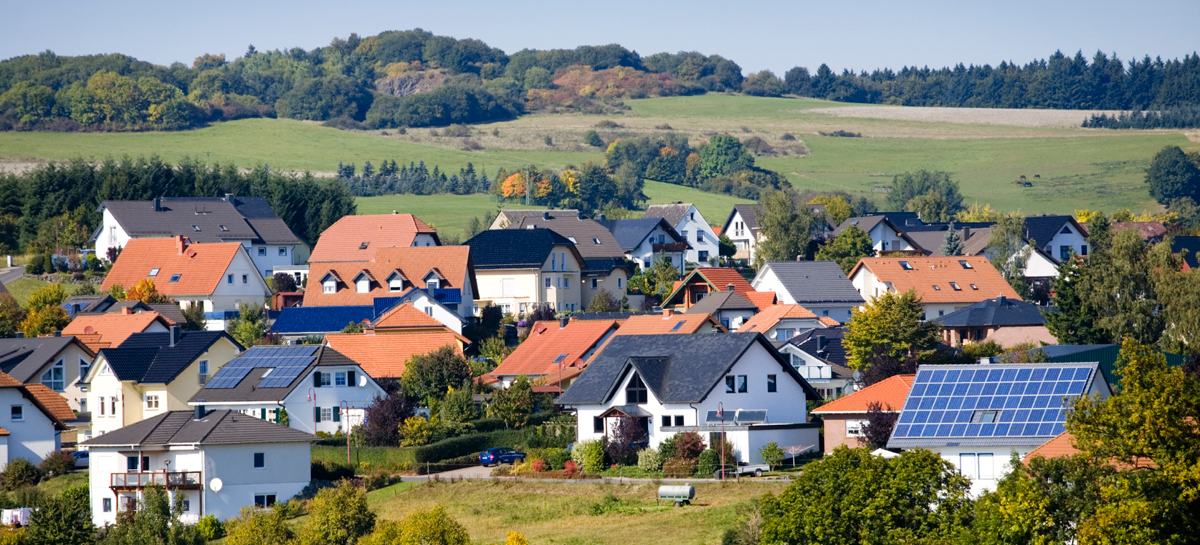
18, 165
1065, 119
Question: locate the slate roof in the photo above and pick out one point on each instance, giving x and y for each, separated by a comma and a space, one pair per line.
343, 240
454, 263
248, 389
1041, 229
316, 320
203, 219
24, 358
201, 267
1192, 245
835, 353
215, 428
673, 213
516, 248
387, 354
677, 368
148, 358
815, 282
630, 233
926, 272
998, 312
722, 300
592, 239
87, 303
890, 393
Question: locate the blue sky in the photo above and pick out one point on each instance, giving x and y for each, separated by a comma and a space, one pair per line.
774, 35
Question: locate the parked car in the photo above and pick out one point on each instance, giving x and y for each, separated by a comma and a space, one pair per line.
82, 460
500, 455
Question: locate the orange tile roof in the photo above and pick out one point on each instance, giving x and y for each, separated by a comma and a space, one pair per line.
761, 299
453, 263
4, 432
548, 345
342, 240
54, 402
201, 266
829, 322
1063, 445
656, 324
387, 355
110, 330
928, 272
406, 316
769, 316
6, 380
890, 393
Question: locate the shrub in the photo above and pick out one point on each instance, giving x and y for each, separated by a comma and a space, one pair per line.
256, 527
210, 527
325, 470
592, 138
708, 463
57, 463
589, 455
649, 460
457, 131
570, 468
537, 466
688, 444
666, 449
35, 266
772, 454
787, 137
18, 473
557, 458
432, 526
679, 468
502, 470
337, 516
608, 124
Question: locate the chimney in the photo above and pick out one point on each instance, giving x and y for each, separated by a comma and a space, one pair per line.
562, 322
985, 361
729, 287
126, 310
58, 333
667, 313
228, 197
200, 412
180, 244
600, 217
20, 335
966, 233
1000, 300
545, 215
175, 335
158, 204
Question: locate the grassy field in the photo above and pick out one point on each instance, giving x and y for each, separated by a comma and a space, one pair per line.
21, 289
553, 513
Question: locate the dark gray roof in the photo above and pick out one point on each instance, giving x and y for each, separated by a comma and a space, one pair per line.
834, 353
630, 233
1041, 229
148, 357
677, 368
815, 282
515, 248
998, 312
248, 390
170, 311
203, 219
215, 428
673, 213
24, 358
1189, 243
722, 300
591, 239
87, 304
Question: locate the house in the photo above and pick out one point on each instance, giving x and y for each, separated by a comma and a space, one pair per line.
819, 286
1058, 236
782, 322
741, 226
92, 304
605, 267
219, 462
386, 355
171, 311
110, 330
975, 416
394, 272
700, 282
519, 268
1002, 320
504, 218
944, 284
554, 351
669, 322
57, 406
59, 363
1152, 232
726, 307
929, 238
218, 275
1064, 446
887, 230
678, 383
295, 323
845, 417
318, 388
1188, 247
689, 223
152, 373
819, 357
34, 423
248, 221
357, 238
645, 239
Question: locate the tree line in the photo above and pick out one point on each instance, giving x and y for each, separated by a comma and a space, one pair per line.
411, 179
56, 204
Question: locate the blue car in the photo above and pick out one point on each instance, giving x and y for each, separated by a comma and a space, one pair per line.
500, 455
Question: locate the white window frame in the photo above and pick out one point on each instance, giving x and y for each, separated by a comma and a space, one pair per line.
17, 413
339, 379
262, 251
323, 379
396, 285
432, 284
329, 287
152, 402
362, 286
326, 414
283, 251
61, 381
85, 367
968, 466
987, 467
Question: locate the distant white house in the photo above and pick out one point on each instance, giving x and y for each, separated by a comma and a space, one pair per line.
32, 422
692, 227
644, 239
819, 286
218, 461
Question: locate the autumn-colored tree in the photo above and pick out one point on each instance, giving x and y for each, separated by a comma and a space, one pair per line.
146, 292
836, 206
427, 527
50, 295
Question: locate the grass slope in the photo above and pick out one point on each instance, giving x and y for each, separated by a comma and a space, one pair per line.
22, 287
556, 513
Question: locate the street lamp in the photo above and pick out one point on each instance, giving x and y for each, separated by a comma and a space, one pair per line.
721, 417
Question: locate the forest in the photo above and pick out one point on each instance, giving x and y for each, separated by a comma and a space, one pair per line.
414, 78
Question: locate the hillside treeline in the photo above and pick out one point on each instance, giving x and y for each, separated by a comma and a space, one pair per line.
1179, 118
54, 205
411, 179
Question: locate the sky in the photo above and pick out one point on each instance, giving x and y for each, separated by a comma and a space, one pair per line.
775, 35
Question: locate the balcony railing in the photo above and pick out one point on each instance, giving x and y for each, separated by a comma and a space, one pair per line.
165, 479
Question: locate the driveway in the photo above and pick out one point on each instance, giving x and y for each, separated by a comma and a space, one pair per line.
469, 472
11, 274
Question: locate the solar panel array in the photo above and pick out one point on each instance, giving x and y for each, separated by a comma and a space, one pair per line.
737, 417
991, 402
286, 363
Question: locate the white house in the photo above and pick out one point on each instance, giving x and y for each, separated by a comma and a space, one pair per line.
644, 240
318, 388
691, 226
781, 322
888, 231
519, 268
248, 221
219, 461
677, 383
976, 416
819, 286
31, 426
818, 355
944, 284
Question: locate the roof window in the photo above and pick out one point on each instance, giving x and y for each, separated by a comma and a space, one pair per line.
223, 228
175, 277
572, 239
677, 326
596, 240
906, 265
560, 358
955, 286
974, 287
965, 264
937, 288
196, 228
363, 246
154, 271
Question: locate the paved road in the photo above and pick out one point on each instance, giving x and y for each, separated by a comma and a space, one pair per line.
11, 274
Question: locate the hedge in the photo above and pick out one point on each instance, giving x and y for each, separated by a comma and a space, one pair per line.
446, 449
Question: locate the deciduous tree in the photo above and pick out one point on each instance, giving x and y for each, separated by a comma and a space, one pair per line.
786, 230
851, 245
337, 516
1009, 252
892, 321
515, 403
146, 292
1173, 175
429, 376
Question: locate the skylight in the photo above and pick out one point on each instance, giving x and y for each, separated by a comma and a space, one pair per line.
223, 228
906, 265
596, 240
572, 239
974, 287
196, 228
363, 246
154, 271
965, 264
936, 288
955, 286
175, 277
677, 326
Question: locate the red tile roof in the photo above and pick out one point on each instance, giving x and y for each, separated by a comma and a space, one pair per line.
54, 402
1063, 445
387, 355
342, 240
761, 299
200, 266
829, 322
110, 330
927, 272
453, 263
890, 393
7, 381
549, 345
406, 316
770, 316
657, 324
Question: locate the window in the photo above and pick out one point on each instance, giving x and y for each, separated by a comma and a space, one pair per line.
260, 460
83, 405
742, 386
984, 417
262, 251
326, 414
702, 255
562, 260
986, 468
854, 428
549, 282
431, 284
131, 464
107, 503
906, 265
566, 282
328, 287
770, 383
1064, 253
196, 228
594, 283
974, 287
618, 282
264, 500
955, 286
965, 264
635, 392
1083, 249
152, 402
187, 506
1066, 230
112, 406
553, 262
966, 465
283, 251
699, 236
203, 365
729, 384
101, 400
362, 286
936, 288
53, 377
666, 420
245, 279
679, 420
154, 271
597, 424
683, 234
429, 311
339, 379
824, 313
223, 228
229, 279
18, 413
782, 334
175, 277
941, 313
396, 285
363, 245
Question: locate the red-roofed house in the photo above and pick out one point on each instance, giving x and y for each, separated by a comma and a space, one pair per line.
33, 428
386, 355
557, 351
703, 281
110, 330
670, 322
1063, 445
844, 417
393, 272
357, 238
945, 284
782, 322
219, 275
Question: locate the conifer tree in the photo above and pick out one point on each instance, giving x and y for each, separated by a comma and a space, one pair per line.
952, 244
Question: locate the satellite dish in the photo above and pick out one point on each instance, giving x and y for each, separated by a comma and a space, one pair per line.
857, 375
215, 484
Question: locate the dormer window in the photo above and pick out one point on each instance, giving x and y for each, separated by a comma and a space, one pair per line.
363, 285
906, 265
154, 271
396, 284
223, 228
431, 284
330, 286
595, 240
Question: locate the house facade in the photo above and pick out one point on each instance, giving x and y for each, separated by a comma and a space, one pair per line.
741, 226
517, 269
556, 351
691, 226
735, 382
846, 416
447, 273
819, 286
604, 263
57, 362
31, 429
1002, 320
945, 284
699, 283
782, 322
218, 461
887, 231
819, 357
646, 239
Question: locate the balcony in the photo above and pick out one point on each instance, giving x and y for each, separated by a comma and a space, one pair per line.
171, 480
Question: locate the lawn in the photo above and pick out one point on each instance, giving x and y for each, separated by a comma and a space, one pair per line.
52, 487
21, 288
557, 513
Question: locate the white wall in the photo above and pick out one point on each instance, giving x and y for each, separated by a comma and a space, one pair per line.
287, 472
357, 398
644, 254
744, 238
693, 222
422, 302
424, 239
270, 260
767, 280
1072, 238
33, 437
111, 235
994, 462
228, 295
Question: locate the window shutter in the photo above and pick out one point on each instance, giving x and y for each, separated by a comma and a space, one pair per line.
337, 414
350, 379
316, 414
317, 379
